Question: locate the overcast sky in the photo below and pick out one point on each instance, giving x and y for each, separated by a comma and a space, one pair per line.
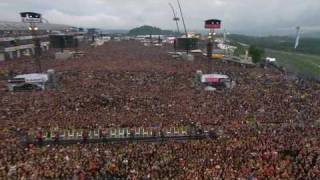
258, 16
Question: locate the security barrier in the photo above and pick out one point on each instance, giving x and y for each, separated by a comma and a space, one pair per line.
68, 136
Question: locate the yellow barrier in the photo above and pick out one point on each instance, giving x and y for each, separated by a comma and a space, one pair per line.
217, 56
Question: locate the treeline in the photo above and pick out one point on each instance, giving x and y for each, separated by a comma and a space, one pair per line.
146, 30
283, 43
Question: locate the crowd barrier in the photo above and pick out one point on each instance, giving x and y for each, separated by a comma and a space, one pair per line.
112, 135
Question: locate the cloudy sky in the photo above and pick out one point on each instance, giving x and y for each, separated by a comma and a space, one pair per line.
257, 16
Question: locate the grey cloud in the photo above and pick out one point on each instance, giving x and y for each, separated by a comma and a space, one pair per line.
237, 15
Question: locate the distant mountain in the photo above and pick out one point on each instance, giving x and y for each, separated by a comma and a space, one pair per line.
312, 34
146, 30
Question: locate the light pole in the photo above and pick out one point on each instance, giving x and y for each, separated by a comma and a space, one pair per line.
211, 24
297, 37
37, 44
184, 25
33, 18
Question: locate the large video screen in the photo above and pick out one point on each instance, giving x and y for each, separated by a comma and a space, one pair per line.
187, 44
62, 41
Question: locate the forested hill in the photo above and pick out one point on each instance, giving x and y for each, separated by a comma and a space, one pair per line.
146, 30
283, 43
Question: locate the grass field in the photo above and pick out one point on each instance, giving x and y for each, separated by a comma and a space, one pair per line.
303, 64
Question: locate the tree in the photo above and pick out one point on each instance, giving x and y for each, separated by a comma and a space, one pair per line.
256, 53
240, 50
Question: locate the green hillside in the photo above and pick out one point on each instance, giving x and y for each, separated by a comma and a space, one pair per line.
302, 64
305, 61
282, 43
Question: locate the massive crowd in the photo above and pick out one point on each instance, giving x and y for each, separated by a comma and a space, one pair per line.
268, 125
